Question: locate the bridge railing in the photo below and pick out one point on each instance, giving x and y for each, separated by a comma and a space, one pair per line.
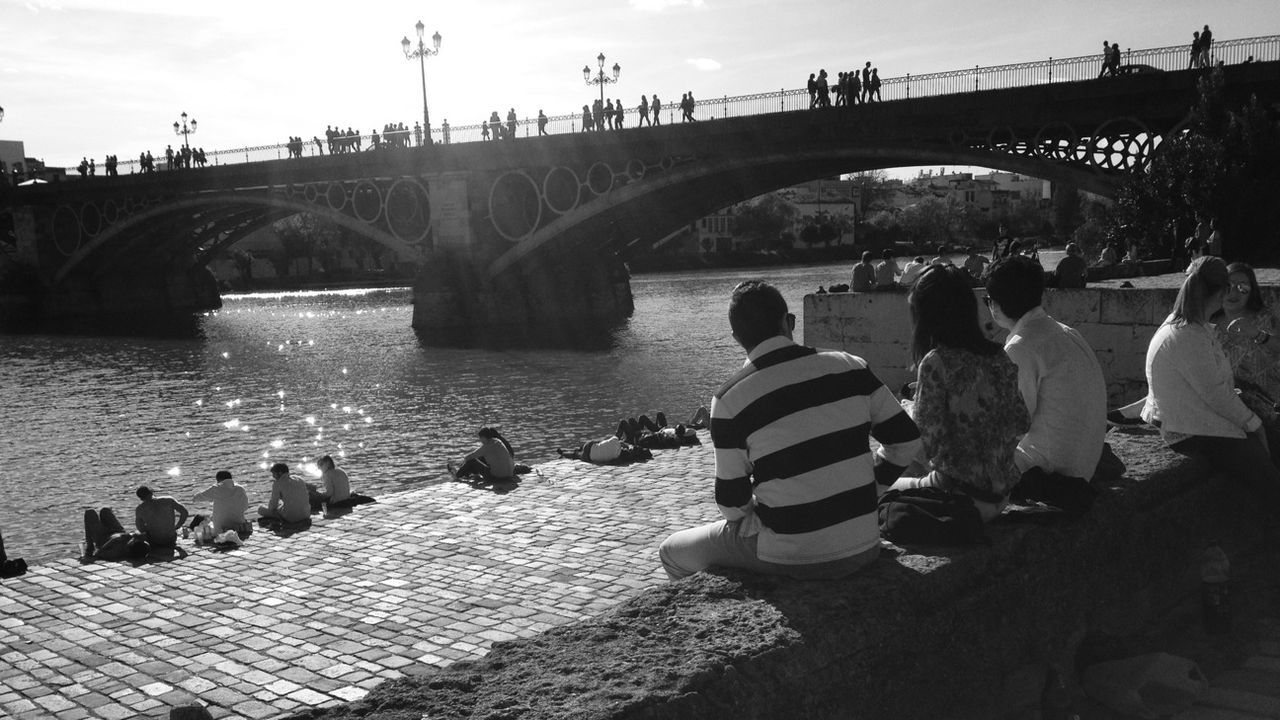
994, 77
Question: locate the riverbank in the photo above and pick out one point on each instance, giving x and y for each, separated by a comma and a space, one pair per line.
428, 578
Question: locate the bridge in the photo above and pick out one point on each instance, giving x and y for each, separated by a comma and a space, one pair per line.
520, 235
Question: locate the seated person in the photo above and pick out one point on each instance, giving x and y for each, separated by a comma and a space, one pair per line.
975, 264
812, 515
912, 271
864, 275
337, 486
701, 418
967, 404
493, 461
887, 272
1059, 377
1071, 271
230, 502
941, 258
1110, 256
105, 538
155, 518
288, 491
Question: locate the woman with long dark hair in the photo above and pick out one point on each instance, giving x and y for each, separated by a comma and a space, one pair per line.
967, 403
1246, 330
1192, 395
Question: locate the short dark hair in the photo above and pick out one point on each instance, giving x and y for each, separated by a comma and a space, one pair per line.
327, 459
866, 256
1016, 284
222, 475
756, 311
887, 254
279, 469
144, 492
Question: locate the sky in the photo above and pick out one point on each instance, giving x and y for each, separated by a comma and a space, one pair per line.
96, 77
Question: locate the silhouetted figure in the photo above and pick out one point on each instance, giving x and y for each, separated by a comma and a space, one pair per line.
688, 105
586, 118
842, 85
597, 112
608, 113
1106, 59
83, 167
542, 122
866, 81
495, 124
168, 157
643, 109
813, 91
854, 92
619, 114
875, 84
1115, 59
824, 92
511, 124
484, 130
142, 162
657, 110
151, 162
444, 130
1206, 47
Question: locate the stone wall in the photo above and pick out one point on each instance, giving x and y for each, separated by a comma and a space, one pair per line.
1118, 323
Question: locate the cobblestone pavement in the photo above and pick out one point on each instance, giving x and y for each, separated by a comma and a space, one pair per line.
424, 577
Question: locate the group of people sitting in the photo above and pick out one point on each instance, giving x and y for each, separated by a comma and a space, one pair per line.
159, 519
799, 485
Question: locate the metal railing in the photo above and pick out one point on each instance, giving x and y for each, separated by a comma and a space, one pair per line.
994, 77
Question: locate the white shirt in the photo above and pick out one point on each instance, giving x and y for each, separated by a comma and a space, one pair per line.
1192, 389
911, 272
1061, 382
229, 503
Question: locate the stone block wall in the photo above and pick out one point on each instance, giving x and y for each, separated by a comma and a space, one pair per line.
1118, 323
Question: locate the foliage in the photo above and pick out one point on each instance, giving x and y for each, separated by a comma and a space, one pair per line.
1224, 166
764, 220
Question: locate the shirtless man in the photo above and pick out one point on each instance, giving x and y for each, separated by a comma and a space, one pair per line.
337, 486
289, 490
155, 518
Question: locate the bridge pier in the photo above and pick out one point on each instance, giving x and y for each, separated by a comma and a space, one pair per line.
137, 301
558, 298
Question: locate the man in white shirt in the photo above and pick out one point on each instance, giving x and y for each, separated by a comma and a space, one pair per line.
229, 502
912, 271
1058, 375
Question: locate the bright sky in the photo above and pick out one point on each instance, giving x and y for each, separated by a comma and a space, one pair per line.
92, 77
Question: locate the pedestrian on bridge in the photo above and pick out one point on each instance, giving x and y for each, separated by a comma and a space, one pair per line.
511, 124
657, 110
586, 118
542, 122
608, 113
875, 84
866, 81
444, 130
619, 114
1206, 47
1106, 60
813, 91
854, 92
824, 93
643, 109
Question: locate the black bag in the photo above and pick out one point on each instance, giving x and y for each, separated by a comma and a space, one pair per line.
930, 516
1072, 495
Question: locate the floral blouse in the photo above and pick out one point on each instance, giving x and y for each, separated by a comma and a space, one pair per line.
1256, 370
971, 416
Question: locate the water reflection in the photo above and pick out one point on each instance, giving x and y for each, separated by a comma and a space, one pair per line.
289, 377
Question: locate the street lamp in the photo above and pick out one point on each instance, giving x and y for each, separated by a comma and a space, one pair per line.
421, 54
184, 129
600, 78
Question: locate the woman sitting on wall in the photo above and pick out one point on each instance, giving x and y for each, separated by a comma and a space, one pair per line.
967, 403
1191, 394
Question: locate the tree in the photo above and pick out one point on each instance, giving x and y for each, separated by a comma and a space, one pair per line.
1224, 166
764, 220
873, 185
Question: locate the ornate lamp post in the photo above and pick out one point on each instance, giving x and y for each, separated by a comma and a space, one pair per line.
600, 78
184, 129
421, 54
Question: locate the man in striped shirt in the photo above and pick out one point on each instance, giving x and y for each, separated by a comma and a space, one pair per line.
795, 476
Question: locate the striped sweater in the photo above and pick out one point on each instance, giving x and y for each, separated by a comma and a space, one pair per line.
791, 432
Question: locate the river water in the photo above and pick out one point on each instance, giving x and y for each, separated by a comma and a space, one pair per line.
292, 376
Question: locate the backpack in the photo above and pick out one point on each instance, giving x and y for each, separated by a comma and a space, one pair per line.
930, 516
